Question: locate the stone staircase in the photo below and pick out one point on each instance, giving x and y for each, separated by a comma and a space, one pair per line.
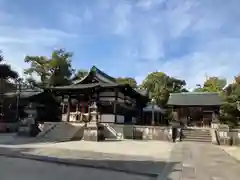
197, 135
59, 132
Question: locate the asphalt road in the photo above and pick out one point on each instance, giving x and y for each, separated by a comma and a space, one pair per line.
22, 169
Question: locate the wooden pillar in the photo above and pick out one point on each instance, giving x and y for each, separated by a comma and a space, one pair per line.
63, 105
98, 99
77, 105
68, 108
82, 107
153, 115
115, 104
158, 121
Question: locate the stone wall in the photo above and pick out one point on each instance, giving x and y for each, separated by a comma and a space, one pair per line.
143, 132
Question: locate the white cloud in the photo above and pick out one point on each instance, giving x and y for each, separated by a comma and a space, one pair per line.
122, 12
148, 4
210, 27
70, 20
187, 39
212, 60
16, 43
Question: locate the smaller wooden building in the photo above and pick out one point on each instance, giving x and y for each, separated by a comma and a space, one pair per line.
46, 105
195, 108
153, 115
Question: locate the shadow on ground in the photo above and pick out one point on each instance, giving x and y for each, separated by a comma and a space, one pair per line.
134, 166
14, 139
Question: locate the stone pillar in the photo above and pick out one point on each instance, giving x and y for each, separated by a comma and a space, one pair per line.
91, 132
215, 120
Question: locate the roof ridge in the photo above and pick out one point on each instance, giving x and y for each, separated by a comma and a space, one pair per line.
95, 69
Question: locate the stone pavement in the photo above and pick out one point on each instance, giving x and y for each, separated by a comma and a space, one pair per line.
233, 151
199, 161
145, 166
24, 169
153, 160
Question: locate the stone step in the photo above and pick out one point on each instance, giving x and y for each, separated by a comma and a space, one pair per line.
195, 138
194, 132
196, 135
198, 140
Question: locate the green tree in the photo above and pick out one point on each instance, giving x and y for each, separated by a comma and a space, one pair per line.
6, 74
127, 80
212, 84
81, 73
161, 85
230, 109
54, 71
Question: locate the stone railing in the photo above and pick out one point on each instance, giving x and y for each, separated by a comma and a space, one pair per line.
143, 132
225, 135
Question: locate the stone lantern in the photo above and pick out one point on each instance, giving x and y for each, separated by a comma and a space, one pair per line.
91, 130
93, 112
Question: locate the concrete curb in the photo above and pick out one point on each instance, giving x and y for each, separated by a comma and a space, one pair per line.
69, 162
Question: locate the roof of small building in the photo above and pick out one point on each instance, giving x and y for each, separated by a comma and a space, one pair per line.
195, 99
154, 108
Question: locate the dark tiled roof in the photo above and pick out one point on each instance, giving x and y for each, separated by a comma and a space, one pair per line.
86, 86
97, 78
24, 93
100, 75
75, 86
195, 99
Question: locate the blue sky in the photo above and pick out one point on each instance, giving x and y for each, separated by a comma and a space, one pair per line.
187, 39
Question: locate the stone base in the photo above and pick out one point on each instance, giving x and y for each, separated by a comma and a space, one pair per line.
91, 132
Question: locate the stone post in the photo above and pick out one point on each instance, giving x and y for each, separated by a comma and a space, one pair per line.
215, 121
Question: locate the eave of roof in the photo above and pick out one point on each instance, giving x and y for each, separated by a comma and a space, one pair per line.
77, 87
195, 99
104, 81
